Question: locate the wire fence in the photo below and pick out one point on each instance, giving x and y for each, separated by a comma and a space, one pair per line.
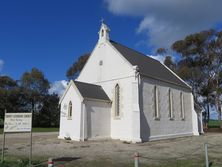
208, 155
196, 157
203, 155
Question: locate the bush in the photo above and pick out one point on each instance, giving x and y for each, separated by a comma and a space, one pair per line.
19, 163
214, 124
1, 123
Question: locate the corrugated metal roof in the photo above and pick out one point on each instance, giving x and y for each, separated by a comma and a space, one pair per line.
91, 91
149, 66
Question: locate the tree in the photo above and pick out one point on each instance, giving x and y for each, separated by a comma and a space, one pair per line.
170, 63
35, 82
76, 67
49, 113
9, 95
201, 66
30, 93
34, 88
215, 54
7, 83
161, 51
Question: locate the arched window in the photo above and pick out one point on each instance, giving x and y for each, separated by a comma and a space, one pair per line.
171, 116
156, 103
70, 110
182, 106
117, 101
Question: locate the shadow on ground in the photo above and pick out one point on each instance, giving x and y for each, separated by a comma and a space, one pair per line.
66, 159
61, 161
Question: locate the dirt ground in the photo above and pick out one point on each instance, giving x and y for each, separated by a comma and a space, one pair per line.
47, 145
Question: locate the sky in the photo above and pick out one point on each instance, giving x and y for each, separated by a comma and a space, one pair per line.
51, 34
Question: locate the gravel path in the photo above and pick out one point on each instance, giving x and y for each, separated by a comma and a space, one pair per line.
47, 145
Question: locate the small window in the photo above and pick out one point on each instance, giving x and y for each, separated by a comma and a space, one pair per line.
117, 101
171, 116
70, 110
156, 103
182, 106
102, 33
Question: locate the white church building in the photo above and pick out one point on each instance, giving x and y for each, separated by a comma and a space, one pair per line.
124, 94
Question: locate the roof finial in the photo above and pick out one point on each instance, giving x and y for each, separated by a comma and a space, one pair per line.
102, 20
104, 32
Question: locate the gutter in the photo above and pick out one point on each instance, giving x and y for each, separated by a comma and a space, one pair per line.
100, 100
190, 89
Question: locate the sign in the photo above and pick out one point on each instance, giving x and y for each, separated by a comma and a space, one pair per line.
18, 122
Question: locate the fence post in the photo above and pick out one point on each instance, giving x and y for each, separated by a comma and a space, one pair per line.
206, 155
136, 159
50, 162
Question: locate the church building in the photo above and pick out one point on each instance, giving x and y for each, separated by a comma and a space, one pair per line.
124, 94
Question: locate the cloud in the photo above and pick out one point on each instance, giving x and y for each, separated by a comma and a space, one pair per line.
1, 64
160, 58
58, 87
165, 21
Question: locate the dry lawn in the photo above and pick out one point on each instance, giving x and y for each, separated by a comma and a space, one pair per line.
186, 151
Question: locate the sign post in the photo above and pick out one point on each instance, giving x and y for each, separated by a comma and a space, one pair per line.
3, 145
17, 122
30, 153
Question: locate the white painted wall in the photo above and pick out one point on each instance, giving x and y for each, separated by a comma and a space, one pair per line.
200, 122
113, 67
98, 118
194, 117
116, 69
122, 127
107, 67
71, 128
152, 129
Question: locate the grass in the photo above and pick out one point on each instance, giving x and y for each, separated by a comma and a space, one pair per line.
39, 130
11, 161
214, 124
1, 121
45, 129
111, 163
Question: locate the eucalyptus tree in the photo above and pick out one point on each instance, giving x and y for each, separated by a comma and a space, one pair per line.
9, 95
77, 66
201, 66
34, 88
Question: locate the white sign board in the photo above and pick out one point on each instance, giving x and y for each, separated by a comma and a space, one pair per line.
18, 122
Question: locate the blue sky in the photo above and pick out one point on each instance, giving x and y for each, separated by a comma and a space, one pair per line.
51, 34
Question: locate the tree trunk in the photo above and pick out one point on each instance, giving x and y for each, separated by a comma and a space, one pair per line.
218, 108
208, 113
219, 115
32, 110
